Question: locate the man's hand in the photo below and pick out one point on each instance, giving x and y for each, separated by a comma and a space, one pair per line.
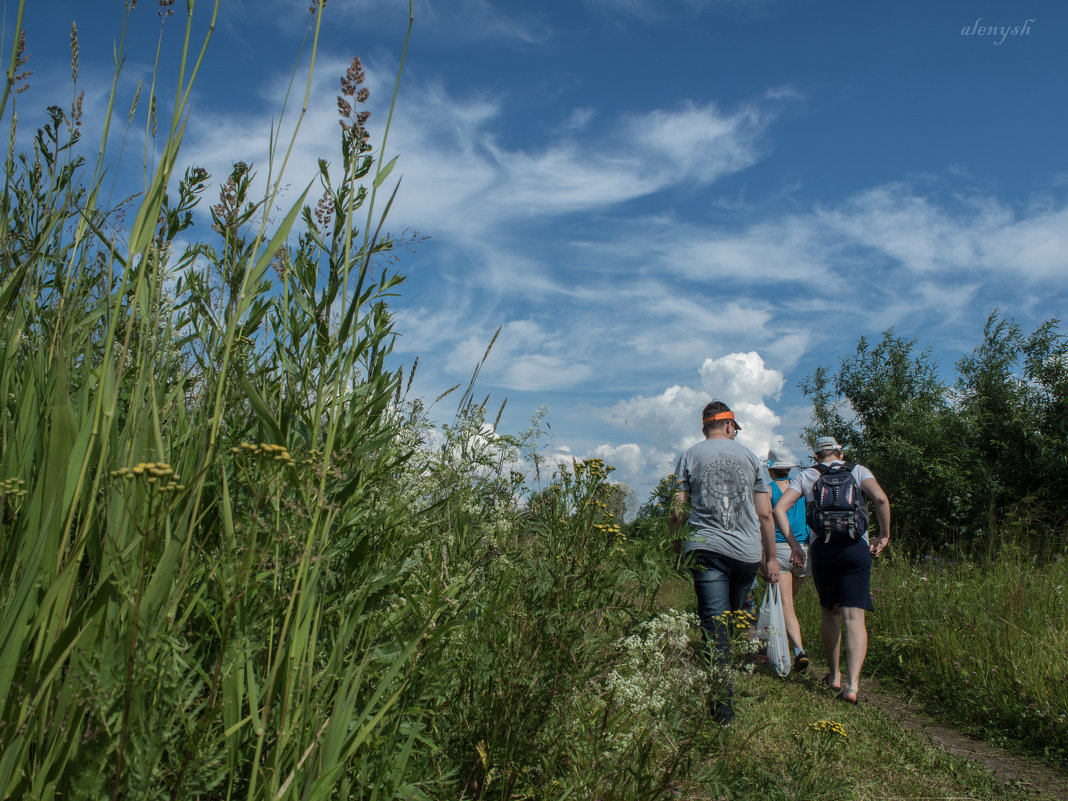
879, 543
797, 555
676, 548
771, 570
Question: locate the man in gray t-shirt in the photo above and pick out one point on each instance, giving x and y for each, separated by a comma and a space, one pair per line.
730, 524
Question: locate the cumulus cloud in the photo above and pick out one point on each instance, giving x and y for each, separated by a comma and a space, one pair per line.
626, 458
672, 419
743, 382
661, 418
741, 378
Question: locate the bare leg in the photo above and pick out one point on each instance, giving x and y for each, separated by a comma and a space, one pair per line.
831, 631
787, 592
856, 648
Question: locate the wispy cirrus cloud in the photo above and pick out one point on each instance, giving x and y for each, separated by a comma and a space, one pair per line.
658, 10
454, 149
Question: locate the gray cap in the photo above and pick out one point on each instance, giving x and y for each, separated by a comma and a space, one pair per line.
782, 458
827, 444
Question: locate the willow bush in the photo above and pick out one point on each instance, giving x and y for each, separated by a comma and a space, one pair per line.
964, 465
236, 561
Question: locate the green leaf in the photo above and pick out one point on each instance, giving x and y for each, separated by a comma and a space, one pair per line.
279, 238
147, 215
264, 414
383, 174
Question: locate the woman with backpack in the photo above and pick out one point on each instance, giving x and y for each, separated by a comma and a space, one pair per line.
840, 552
790, 549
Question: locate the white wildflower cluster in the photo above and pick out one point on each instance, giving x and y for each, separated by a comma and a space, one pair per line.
656, 664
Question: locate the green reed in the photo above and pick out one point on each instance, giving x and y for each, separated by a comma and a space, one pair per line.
236, 561
195, 554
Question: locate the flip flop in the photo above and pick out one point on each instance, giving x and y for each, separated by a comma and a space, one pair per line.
844, 696
828, 685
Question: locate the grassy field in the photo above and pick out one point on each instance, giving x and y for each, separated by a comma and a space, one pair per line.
984, 643
780, 745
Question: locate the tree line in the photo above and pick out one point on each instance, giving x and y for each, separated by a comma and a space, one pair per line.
967, 463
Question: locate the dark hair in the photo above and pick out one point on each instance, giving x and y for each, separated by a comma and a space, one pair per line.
779, 472
713, 408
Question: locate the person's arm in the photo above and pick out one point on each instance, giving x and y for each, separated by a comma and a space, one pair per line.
676, 520
785, 504
882, 513
762, 502
797, 553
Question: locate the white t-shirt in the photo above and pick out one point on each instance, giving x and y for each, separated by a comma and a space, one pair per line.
804, 480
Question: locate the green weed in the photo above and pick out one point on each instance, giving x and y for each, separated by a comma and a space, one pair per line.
984, 642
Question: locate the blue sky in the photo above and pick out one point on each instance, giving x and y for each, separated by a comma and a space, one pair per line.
659, 202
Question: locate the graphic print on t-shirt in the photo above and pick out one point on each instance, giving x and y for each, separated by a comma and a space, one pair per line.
723, 491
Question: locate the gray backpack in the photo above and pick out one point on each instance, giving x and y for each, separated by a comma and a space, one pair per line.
837, 512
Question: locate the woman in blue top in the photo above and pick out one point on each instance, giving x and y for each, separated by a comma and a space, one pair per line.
791, 549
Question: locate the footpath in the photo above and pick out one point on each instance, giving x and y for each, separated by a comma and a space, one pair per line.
1011, 768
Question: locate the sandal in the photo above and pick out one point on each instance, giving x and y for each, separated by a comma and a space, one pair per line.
848, 697
827, 683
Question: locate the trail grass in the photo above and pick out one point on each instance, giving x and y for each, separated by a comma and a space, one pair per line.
773, 751
986, 644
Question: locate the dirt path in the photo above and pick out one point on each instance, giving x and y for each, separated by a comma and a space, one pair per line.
1016, 769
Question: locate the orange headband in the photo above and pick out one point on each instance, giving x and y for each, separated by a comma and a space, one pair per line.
719, 416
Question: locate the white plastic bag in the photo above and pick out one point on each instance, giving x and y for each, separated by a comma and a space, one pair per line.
771, 627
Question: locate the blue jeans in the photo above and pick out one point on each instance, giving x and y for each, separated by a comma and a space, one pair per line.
722, 584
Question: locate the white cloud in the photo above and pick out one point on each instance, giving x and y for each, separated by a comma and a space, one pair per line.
700, 141
525, 356
463, 181
656, 10
740, 378
672, 419
461, 20
1036, 248
578, 120
626, 458
975, 235
780, 251
743, 382
537, 372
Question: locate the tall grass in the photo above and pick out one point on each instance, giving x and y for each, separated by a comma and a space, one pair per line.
987, 642
236, 561
981, 641
195, 560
